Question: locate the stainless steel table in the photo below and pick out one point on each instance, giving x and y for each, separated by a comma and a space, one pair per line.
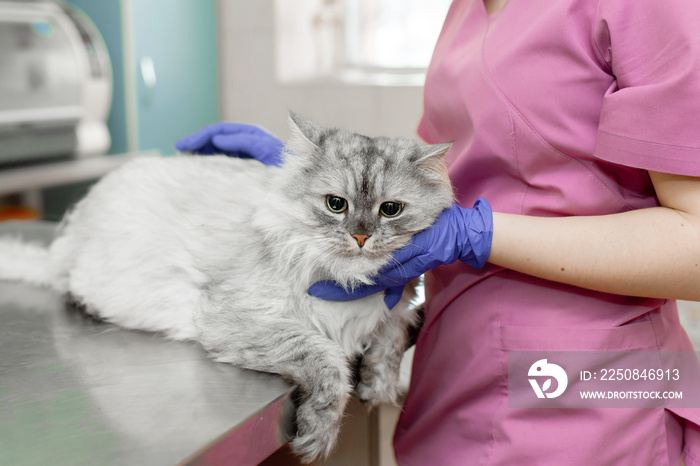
74, 391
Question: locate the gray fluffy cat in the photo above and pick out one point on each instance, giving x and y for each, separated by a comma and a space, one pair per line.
222, 251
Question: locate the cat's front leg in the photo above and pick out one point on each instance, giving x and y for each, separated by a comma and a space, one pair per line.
311, 361
379, 367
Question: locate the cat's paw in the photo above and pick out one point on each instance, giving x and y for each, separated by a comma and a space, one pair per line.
317, 432
374, 390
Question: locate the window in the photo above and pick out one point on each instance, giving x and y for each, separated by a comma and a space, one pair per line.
381, 42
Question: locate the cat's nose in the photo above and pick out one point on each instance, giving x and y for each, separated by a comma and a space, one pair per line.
360, 239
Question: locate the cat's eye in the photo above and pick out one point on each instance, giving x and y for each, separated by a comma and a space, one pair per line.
391, 209
336, 204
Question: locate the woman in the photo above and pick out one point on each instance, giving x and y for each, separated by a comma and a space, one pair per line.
577, 121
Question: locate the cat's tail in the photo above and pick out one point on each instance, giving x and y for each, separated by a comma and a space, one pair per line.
27, 262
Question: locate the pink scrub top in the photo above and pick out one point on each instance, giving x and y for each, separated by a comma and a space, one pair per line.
555, 108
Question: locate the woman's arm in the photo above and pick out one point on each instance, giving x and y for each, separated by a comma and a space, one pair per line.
651, 252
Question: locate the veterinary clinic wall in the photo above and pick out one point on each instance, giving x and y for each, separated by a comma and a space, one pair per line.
251, 92
164, 60
176, 42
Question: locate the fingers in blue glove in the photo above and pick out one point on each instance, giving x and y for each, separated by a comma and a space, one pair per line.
331, 291
234, 139
457, 233
251, 145
196, 141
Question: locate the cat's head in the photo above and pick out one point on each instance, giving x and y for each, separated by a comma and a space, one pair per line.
357, 198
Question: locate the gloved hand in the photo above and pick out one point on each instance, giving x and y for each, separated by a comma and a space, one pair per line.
458, 233
234, 140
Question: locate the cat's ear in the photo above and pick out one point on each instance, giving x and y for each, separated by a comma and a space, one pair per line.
434, 151
304, 135
431, 157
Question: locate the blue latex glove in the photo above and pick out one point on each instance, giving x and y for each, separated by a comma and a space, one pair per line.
234, 140
457, 234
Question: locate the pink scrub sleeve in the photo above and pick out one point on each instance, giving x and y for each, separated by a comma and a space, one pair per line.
650, 117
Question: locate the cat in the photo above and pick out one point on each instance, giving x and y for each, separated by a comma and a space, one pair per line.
222, 251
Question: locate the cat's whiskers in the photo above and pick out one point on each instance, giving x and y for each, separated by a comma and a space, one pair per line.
396, 264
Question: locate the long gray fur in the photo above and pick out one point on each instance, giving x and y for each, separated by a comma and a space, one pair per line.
222, 251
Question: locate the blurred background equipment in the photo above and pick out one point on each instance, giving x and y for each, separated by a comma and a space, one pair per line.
76, 103
55, 83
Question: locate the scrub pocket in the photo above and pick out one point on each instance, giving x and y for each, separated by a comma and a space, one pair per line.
640, 436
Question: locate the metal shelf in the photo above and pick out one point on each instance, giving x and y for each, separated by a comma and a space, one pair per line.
35, 177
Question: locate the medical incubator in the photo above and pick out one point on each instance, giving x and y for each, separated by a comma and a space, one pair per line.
55, 83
